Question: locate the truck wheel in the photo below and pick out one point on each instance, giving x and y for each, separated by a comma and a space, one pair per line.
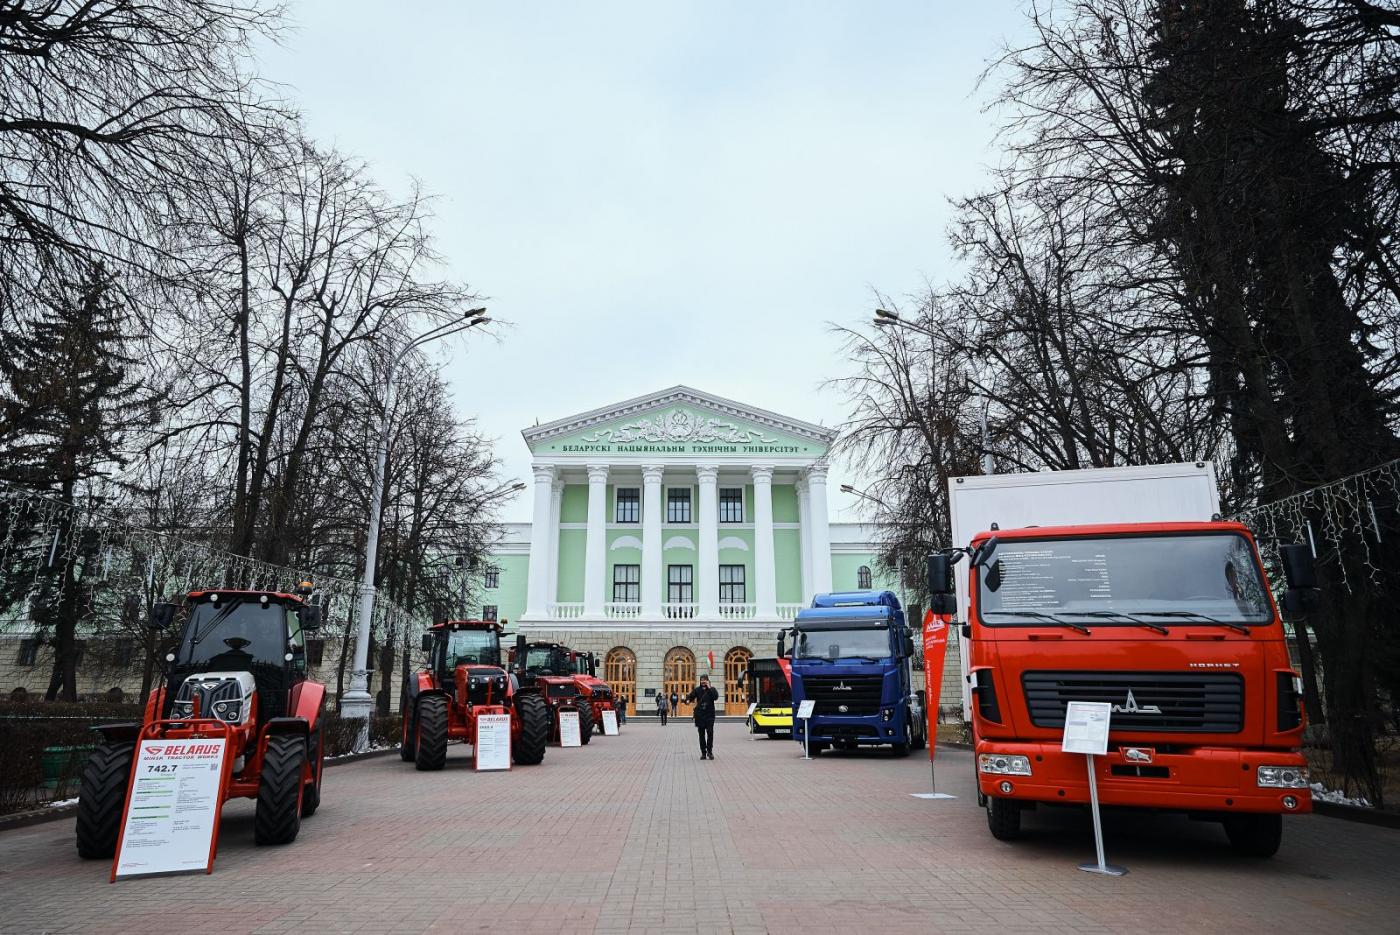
902, 748
585, 723
920, 736
1254, 835
408, 748
277, 818
534, 729
430, 737
101, 796
311, 796
1004, 818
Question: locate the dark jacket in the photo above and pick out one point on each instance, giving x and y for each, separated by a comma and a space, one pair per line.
704, 700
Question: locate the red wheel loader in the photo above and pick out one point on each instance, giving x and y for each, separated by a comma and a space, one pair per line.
463, 680
594, 690
547, 669
238, 672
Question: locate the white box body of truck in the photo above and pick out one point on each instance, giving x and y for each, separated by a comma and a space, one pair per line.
1153, 493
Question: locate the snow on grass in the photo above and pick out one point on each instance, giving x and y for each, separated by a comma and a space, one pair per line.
1322, 794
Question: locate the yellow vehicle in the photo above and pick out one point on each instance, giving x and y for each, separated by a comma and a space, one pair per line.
769, 689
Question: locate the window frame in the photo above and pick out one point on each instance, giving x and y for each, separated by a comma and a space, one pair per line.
634, 501
490, 612
28, 654
491, 576
742, 504
674, 499
674, 586
741, 584
634, 586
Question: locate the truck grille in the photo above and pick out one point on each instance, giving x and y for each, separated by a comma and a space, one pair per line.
860, 694
1181, 702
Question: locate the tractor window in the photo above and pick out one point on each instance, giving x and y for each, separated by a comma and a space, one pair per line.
233, 634
545, 660
473, 647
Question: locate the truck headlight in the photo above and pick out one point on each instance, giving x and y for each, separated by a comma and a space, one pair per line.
887, 714
1282, 777
1003, 765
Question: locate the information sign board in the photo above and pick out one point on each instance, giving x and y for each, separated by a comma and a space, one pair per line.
492, 742
569, 735
805, 709
1086, 727
173, 808
752, 706
609, 722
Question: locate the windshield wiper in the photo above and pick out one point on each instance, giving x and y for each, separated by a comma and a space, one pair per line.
1036, 615
1192, 615
862, 658
1117, 615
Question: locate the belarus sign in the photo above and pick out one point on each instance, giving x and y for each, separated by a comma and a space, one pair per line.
569, 735
172, 810
609, 723
492, 742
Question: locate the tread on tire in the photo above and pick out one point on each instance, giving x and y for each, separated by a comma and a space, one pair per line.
101, 798
1003, 818
430, 746
277, 818
534, 718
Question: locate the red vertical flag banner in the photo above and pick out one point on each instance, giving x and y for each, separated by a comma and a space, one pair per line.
711, 654
935, 651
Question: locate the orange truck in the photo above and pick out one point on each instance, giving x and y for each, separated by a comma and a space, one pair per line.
1170, 621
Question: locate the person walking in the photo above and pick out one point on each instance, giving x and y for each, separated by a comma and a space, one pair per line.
704, 698
675, 704
661, 708
622, 711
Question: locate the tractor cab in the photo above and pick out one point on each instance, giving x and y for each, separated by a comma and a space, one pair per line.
547, 669
465, 657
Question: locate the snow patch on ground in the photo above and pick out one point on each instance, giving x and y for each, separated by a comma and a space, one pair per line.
1322, 794
59, 803
370, 749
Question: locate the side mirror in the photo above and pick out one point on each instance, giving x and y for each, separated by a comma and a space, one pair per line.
310, 616
427, 644
1299, 569
939, 574
782, 644
593, 665
984, 552
908, 645
943, 605
162, 614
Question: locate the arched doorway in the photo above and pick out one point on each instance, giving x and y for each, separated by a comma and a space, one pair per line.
736, 667
620, 672
678, 675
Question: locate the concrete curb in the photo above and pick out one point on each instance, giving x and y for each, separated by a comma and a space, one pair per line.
1365, 816
39, 816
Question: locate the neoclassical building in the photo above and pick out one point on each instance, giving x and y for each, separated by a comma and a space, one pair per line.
673, 535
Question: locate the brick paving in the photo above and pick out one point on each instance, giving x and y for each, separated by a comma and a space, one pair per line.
635, 833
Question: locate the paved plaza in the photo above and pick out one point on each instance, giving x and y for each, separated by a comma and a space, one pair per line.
635, 833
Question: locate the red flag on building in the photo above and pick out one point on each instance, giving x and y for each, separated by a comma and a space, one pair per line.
711, 654
935, 650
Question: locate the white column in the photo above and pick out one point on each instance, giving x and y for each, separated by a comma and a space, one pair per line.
804, 525
651, 540
708, 561
556, 501
595, 550
537, 585
820, 537
766, 587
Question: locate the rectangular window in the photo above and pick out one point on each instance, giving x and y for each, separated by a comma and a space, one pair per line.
678, 505
28, 653
315, 651
491, 576
628, 507
731, 584
731, 504
488, 612
627, 584
680, 583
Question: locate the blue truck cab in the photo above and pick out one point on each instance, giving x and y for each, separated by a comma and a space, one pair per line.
851, 654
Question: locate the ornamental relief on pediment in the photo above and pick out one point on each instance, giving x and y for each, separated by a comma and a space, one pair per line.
679, 426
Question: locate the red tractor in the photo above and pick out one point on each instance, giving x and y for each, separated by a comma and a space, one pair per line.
464, 679
238, 672
598, 692
547, 669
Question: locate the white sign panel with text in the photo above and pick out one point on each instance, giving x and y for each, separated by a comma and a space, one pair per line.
492, 742
609, 723
173, 809
569, 735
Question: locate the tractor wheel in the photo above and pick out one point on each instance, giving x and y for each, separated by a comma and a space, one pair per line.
534, 729
585, 723
408, 746
277, 818
311, 796
430, 740
1004, 818
101, 796
1254, 835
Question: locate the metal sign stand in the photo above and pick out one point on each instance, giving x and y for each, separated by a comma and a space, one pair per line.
1102, 866
804, 713
1086, 732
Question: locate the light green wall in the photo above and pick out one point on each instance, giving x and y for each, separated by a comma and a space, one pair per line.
623, 556
509, 598
573, 508
784, 503
571, 555
787, 564
844, 569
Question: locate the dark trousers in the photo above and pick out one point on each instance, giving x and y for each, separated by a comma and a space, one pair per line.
662, 712
706, 730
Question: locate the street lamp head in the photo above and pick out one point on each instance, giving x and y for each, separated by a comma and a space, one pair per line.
884, 315
847, 488
883, 322
475, 313
517, 486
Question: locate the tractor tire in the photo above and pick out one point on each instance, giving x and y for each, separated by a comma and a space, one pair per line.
430, 739
408, 736
277, 818
1004, 818
101, 797
311, 795
534, 729
585, 723
1254, 835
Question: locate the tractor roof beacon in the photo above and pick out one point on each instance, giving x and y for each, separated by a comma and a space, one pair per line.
237, 671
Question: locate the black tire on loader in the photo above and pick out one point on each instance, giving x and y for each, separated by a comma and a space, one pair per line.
1254, 835
408, 736
277, 818
534, 729
585, 722
311, 796
430, 739
101, 797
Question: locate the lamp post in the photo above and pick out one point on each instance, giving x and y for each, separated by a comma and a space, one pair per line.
888, 319
357, 702
899, 556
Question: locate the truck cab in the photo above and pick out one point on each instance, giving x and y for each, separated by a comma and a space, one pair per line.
851, 655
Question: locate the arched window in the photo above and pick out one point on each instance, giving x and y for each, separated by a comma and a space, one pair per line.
620, 672
863, 578
736, 666
678, 674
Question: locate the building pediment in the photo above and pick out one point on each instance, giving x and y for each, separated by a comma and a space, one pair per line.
680, 421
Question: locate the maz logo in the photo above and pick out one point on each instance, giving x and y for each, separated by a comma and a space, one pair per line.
1132, 707
842, 687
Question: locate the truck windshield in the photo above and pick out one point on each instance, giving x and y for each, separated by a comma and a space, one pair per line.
843, 644
233, 634
473, 647
1124, 581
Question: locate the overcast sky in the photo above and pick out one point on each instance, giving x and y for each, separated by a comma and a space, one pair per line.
654, 193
